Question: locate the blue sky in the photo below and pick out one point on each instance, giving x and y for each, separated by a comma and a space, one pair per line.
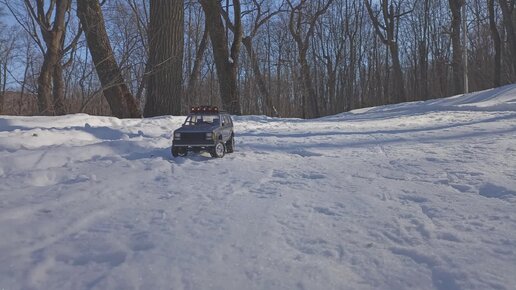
7, 18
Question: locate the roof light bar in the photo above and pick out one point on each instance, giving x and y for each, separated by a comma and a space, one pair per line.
204, 109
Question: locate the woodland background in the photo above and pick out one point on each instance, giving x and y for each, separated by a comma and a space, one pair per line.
288, 58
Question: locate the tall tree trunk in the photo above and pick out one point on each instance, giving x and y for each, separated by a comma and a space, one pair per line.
455, 8
261, 17
507, 12
226, 61
423, 69
423, 52
353, 101
387, 97
300, 21
45, 106
309, 97
3, 85
399, 85
120, 100
497, 80
25, 78
196, 69
166, 41
391, 20
53, 33
58, 90
262, 87
331, 85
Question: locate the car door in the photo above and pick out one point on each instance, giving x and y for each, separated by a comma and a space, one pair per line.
229, 124
226, 128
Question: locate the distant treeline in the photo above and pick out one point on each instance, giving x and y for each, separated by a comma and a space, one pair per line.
289, 58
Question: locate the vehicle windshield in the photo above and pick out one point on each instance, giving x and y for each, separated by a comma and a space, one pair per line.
200, 119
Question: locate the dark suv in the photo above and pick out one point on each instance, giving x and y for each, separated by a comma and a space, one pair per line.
205, 129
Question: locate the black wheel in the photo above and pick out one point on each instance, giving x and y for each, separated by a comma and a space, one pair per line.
230, 145
178, 151
219, 150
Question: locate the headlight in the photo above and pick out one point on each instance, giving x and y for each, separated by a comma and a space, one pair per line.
209, 136
177, 136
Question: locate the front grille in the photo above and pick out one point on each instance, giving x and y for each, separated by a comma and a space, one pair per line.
193, 136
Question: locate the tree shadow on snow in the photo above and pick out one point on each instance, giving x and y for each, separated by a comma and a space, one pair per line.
386, 132
100, 132
302, 147
6, 126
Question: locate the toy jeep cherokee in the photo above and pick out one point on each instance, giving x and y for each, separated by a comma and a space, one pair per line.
205, 129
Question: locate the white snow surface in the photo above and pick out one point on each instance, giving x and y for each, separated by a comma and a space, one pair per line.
411, 196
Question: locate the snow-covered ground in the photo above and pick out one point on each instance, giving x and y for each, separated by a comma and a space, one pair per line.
410, 196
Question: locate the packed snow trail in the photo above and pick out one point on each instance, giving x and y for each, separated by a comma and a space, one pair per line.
411, 196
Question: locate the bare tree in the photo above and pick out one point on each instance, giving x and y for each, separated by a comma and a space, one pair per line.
497, 80
3, 59
303, 62
260, 18
507, 7
166, 41
195, 73
302, 25
121, 101
387, 31
226, 59
6, 50
458, 71
423, 51
334, 42
140, 65
47, 23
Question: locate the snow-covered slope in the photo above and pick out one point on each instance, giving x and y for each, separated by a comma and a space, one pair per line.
411, 196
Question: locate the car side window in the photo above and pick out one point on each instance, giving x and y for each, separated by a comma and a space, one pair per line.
226, 120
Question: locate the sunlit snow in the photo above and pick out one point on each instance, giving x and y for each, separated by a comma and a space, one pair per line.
410, 196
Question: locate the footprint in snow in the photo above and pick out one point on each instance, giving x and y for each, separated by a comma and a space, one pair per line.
305, 153
141, 242
326, 211
313, 176
490, 190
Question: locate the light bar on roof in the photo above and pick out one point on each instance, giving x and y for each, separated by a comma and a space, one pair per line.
204, 109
